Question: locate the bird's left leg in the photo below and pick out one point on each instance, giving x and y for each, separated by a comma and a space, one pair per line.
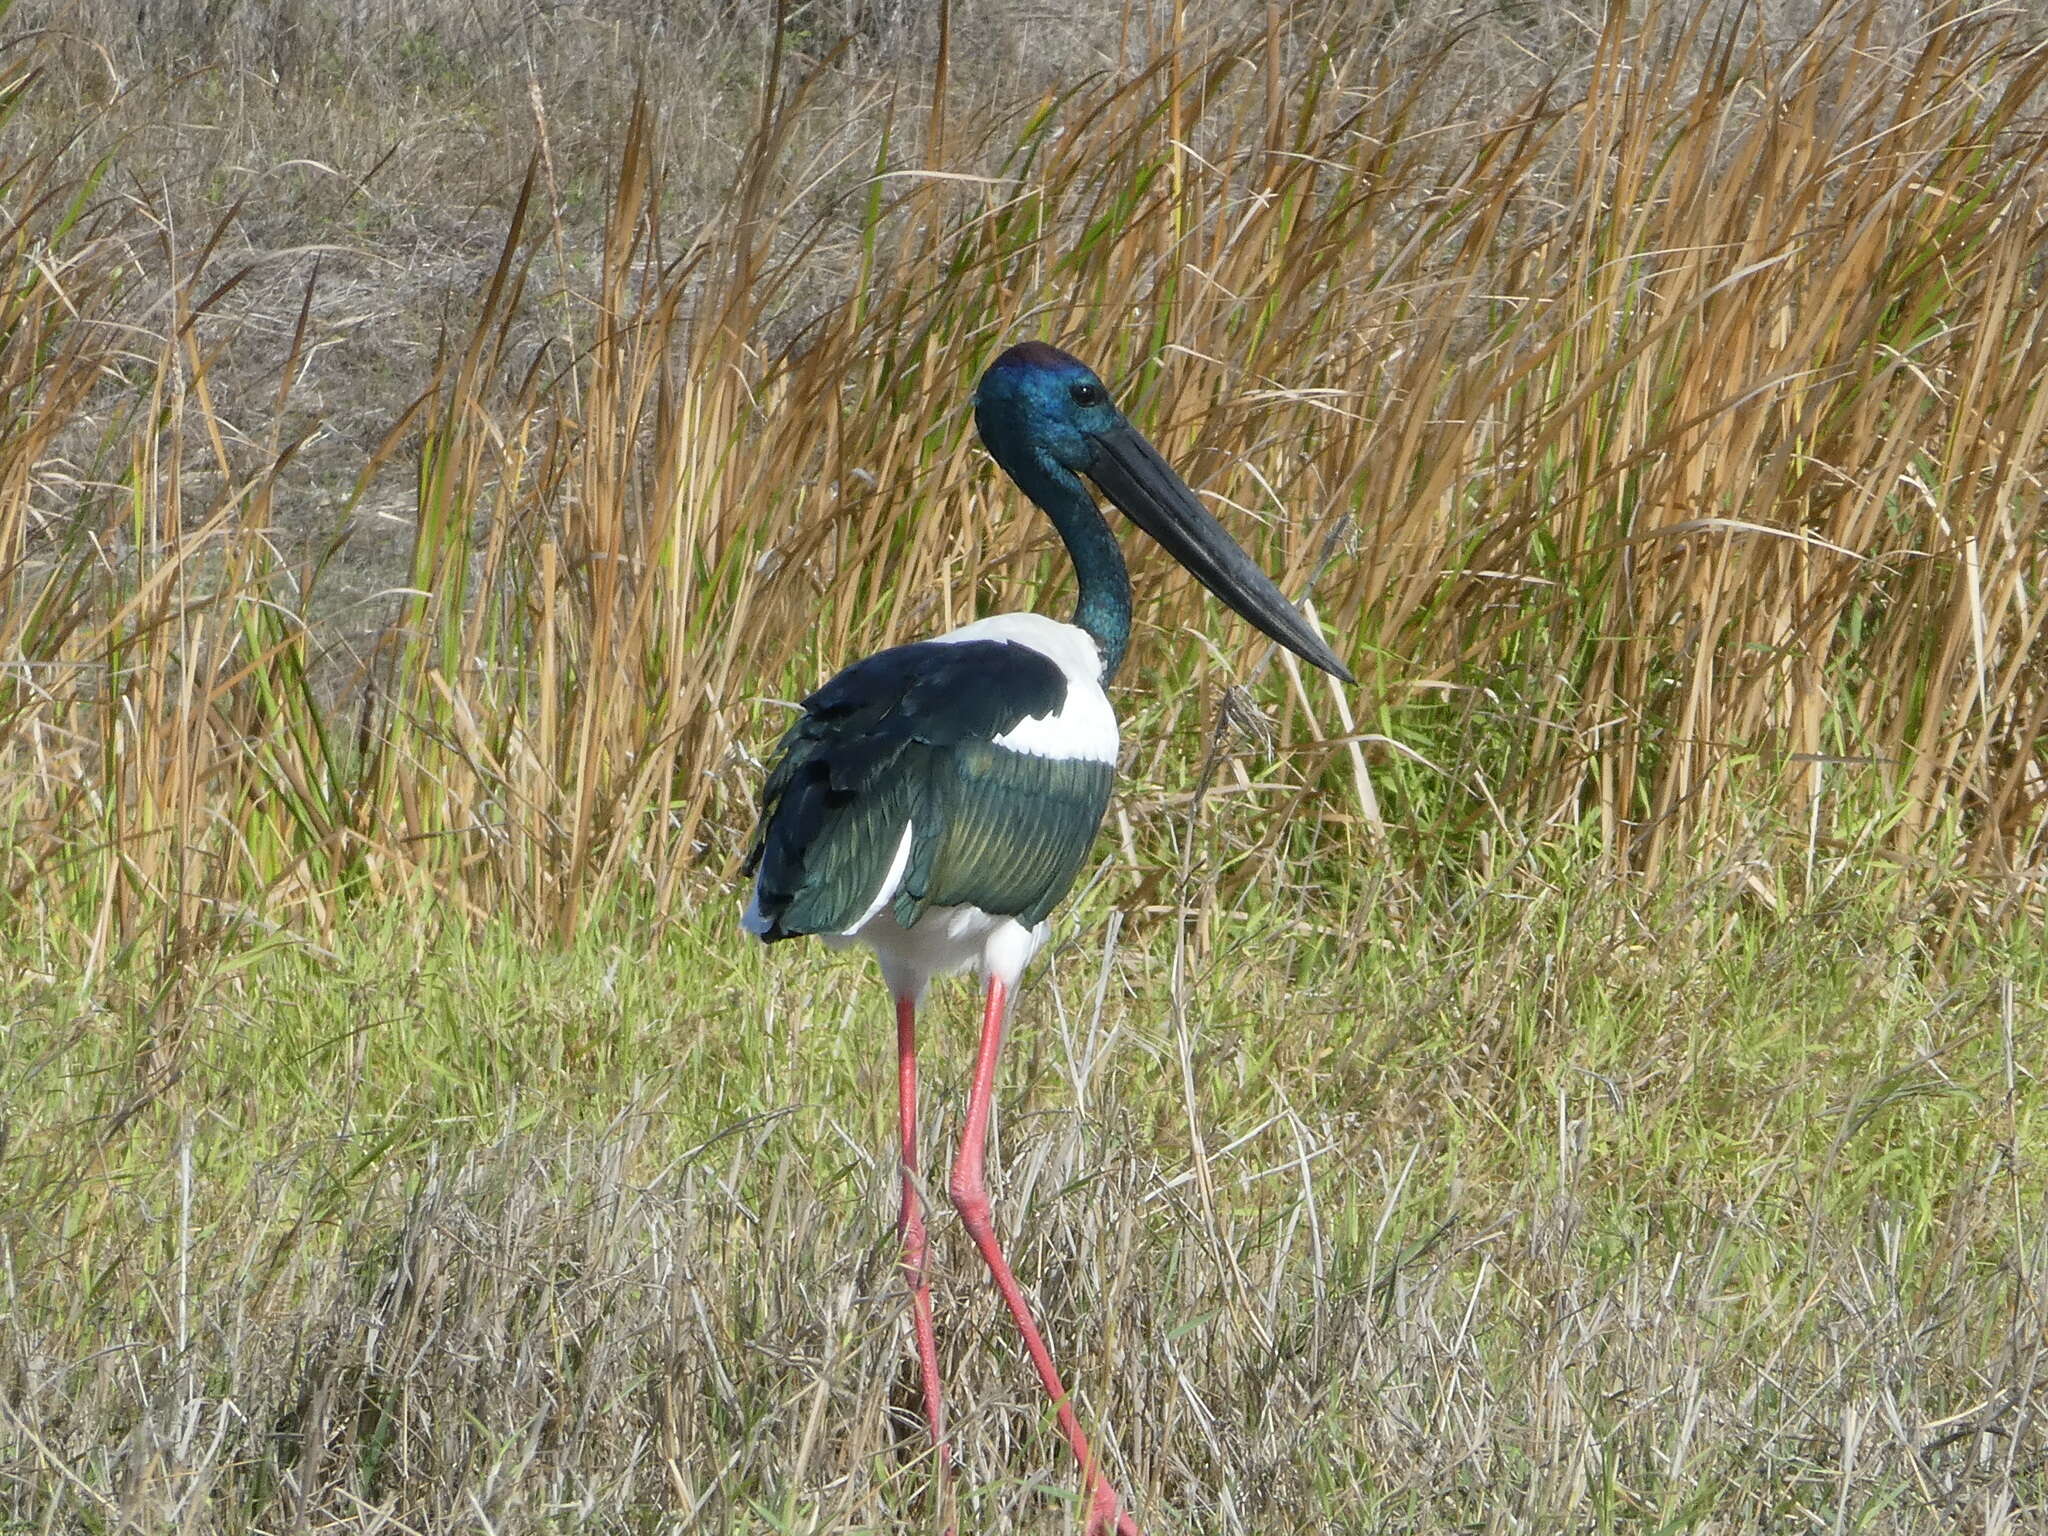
910, 1224
969, 1188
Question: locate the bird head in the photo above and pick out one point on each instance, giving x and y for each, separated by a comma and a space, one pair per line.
1038, 407
1049, 421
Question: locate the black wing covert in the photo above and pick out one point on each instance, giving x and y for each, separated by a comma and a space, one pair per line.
906, 738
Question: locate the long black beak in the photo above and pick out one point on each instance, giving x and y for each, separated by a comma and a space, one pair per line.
1130, 472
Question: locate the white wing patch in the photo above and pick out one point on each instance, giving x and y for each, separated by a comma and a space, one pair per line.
1083, 728
890, 882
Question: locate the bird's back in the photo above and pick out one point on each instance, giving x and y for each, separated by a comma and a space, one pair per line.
971, 771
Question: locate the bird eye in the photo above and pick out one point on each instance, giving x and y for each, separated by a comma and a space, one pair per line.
1087, 394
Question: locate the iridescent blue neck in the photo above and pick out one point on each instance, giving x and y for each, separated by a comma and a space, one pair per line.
1104, 609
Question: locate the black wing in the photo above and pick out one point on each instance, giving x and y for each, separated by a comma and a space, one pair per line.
906, 738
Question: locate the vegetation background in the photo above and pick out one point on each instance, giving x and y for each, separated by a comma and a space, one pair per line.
1584, 1078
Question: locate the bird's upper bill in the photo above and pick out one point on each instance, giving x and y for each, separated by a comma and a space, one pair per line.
1040, 401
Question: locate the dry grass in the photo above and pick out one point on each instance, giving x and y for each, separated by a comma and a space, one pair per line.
1566, 1209
1665, 445
1583, 1078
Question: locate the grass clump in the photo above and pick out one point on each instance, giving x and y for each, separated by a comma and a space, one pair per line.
1534, 1207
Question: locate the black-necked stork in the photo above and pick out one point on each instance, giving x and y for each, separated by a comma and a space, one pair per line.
936, 800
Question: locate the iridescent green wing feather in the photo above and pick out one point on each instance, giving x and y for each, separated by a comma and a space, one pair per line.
1011, 830
906, 739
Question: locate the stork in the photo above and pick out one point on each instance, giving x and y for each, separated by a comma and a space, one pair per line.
935, 801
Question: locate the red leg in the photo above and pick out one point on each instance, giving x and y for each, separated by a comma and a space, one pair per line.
970, 1198
911, 1225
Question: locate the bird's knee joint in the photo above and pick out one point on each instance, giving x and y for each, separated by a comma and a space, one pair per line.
970, 1199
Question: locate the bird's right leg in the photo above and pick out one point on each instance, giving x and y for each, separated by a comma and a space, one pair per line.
1106, 1515
911, 1225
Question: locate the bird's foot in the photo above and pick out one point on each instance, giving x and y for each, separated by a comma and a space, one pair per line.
1106, 1517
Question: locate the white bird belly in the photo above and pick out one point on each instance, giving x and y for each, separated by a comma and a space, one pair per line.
944, 940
